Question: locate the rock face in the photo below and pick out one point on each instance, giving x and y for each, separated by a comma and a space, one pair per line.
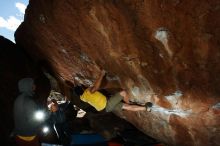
166, 52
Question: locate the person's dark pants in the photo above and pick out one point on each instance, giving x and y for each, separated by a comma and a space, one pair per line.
64, 133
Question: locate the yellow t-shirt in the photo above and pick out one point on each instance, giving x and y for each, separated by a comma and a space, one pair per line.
96, 99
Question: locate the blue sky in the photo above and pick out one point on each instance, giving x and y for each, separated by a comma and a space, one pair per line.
11, 15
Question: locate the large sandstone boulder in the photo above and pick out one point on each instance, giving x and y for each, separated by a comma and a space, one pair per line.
162, 51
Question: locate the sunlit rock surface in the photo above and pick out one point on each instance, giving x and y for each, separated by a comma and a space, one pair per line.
166, 52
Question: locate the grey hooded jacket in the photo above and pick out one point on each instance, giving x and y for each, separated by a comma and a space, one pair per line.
24, 109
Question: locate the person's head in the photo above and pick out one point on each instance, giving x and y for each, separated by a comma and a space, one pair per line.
79, 90
54, 101
54, 106
26, 85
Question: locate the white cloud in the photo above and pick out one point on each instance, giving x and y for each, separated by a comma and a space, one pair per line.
21, 7
11, 23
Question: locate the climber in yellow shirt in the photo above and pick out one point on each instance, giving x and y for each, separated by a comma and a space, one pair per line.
119, 101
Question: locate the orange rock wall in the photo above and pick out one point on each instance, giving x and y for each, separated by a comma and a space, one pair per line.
163, 51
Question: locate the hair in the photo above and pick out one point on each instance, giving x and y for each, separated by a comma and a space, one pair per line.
78, 90
54, 101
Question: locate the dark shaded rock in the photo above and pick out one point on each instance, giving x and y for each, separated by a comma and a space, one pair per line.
14, 65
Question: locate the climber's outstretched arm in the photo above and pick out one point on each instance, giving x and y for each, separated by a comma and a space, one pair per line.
98, 82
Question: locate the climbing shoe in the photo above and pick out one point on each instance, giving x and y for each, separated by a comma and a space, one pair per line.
148, 106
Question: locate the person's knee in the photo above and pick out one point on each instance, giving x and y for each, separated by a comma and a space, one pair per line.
108, 108
125, 96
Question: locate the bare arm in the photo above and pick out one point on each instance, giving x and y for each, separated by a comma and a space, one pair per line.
98, 82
